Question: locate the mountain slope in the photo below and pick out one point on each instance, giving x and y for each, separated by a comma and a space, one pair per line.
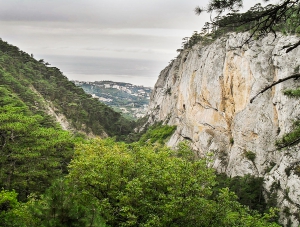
127, 98
206, 93
46, 90
33, 149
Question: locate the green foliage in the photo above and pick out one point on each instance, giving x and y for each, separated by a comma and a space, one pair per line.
231, 213
141, 126
184, 151
297, 69
295, 167
134, 185
297, 170
62, 205
158, 133
137, 185
249, 190
250, 155
282, 17
291, 138
65, 206
292, 93
37, 84
8, 201
189, 42
32, 154
13, 213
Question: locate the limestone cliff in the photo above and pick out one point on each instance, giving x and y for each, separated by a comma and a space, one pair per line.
206, 92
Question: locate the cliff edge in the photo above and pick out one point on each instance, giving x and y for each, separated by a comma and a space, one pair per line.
206, 93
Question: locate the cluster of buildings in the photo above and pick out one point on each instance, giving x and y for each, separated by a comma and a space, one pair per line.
135, 103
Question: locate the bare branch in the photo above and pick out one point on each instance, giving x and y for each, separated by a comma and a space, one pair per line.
291, 47
265, 20
294, 76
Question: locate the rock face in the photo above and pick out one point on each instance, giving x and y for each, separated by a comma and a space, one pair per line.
206, 92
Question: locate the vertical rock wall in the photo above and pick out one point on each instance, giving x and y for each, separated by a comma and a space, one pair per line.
206, 92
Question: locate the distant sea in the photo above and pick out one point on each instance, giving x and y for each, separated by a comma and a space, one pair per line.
134, 71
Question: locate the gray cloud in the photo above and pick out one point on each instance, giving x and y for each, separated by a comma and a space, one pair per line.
102, 65
88, 39
103, 13
135, 71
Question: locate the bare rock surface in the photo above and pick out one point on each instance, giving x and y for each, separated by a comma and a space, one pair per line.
206, 92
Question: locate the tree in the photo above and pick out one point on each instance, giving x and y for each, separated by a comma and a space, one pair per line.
261, 20
31, 155
12, 212
62, 205
37, 84
135, 185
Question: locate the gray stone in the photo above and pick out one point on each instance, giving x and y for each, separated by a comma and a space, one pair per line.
206, 92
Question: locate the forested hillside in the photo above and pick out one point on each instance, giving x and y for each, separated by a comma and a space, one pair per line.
130, 100
43, 88
51, 177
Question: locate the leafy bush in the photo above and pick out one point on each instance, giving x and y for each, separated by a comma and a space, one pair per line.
291, 138
135, 185
250, 155
63, 205
12, 212
292, 92
249, 190
184, 151
158, 133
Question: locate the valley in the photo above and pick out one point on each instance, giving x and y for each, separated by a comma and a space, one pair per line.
215, 143
131, 100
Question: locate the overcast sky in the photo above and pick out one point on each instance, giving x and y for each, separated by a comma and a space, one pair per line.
121, 40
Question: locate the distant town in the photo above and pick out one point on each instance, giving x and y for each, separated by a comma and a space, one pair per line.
131, 100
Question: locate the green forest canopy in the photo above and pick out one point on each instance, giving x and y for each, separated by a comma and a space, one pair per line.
52, 178
40, 86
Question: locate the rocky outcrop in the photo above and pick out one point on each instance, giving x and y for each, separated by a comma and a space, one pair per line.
206, 92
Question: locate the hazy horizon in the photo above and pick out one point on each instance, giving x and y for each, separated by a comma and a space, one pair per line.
125, 41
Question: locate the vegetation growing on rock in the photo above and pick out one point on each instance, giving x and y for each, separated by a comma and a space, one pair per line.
53, 178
